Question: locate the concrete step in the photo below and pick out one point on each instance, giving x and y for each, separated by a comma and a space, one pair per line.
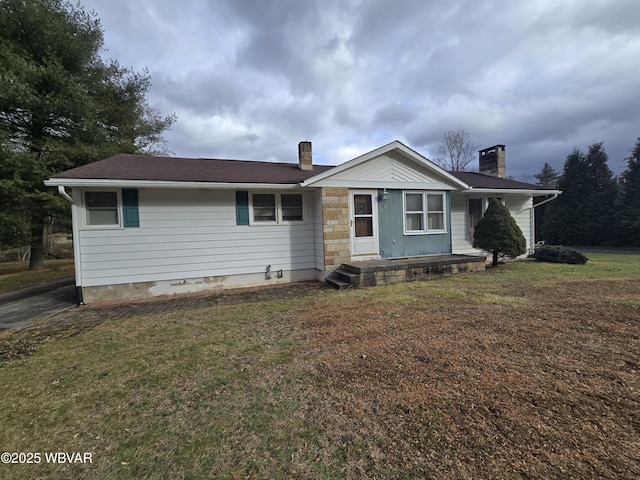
334, 280
347, 275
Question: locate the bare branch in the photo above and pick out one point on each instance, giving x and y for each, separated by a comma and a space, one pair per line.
456, 150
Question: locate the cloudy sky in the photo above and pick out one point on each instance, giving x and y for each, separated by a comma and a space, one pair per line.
249, 79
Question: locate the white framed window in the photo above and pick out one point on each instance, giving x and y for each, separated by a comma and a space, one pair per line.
424, 213
277, 208
102, 208
264, 207
435, 212
291, 207
414, 212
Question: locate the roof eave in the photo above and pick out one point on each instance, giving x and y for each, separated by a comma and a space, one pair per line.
113, 183
521, 191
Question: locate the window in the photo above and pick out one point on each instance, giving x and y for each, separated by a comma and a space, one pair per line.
277, 208
291, 207
435, 212
475, 212
102, 208
476, 208
264, 207
424, 213
363, 215
414, 212
116, 208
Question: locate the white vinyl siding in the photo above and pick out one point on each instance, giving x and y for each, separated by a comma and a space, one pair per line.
190, 234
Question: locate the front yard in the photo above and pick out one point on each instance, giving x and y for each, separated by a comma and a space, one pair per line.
528, 370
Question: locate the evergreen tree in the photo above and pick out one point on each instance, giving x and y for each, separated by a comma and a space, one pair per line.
602, 217
630, 199
497, 232
585, 213
547, 177
61, 106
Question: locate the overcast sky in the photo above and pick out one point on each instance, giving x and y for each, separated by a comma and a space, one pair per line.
249, 79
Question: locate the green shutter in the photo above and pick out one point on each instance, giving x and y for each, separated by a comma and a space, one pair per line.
130, 214
242, 208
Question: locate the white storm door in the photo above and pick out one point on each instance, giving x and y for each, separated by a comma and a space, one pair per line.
364, 222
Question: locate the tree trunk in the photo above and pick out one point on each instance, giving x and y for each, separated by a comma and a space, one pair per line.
36, 261
495, 259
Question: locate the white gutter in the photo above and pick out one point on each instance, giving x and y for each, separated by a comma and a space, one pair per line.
513, 191
87, 182
553, 197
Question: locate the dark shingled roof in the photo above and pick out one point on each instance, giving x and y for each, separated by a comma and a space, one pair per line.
144, 167
479, 180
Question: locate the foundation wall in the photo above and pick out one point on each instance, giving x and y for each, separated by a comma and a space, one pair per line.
141, 290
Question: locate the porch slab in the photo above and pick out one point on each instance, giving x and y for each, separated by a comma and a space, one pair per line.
369, 273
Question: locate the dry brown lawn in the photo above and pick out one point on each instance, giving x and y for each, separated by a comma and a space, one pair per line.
544, 384
526, 371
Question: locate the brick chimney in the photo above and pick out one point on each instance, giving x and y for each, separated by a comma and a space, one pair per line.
305, 158
492, 161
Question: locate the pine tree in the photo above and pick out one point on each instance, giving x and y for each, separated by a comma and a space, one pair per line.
585, 213
630, 203
547, 177
61, 106
497, 232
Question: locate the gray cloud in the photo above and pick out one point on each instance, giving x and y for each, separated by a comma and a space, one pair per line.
250, 79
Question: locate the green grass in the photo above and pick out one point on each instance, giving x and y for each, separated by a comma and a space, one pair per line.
14, 275
227, 391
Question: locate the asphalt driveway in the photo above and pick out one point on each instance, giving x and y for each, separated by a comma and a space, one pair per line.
20, 307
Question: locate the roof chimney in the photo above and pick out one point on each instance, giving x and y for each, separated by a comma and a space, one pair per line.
492, 161
305, 158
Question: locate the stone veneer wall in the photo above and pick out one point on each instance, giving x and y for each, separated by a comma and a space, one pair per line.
389, 274
335, 227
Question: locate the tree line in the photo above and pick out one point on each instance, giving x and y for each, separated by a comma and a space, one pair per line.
595, 208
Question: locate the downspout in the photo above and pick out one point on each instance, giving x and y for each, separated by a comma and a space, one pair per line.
76, 243
64, 193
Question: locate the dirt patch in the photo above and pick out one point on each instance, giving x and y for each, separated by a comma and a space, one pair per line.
548, 388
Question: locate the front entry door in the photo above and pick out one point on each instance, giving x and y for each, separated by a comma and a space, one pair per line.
364, 223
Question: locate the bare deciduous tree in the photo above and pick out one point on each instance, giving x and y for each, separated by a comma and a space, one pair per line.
456, 150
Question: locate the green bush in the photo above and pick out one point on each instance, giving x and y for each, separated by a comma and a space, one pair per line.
558, 254
497, 232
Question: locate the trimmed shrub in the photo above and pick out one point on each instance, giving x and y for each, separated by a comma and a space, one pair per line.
497, 232
559, 254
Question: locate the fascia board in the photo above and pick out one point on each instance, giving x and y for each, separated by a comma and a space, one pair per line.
93, 183
370, 184
515, 191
